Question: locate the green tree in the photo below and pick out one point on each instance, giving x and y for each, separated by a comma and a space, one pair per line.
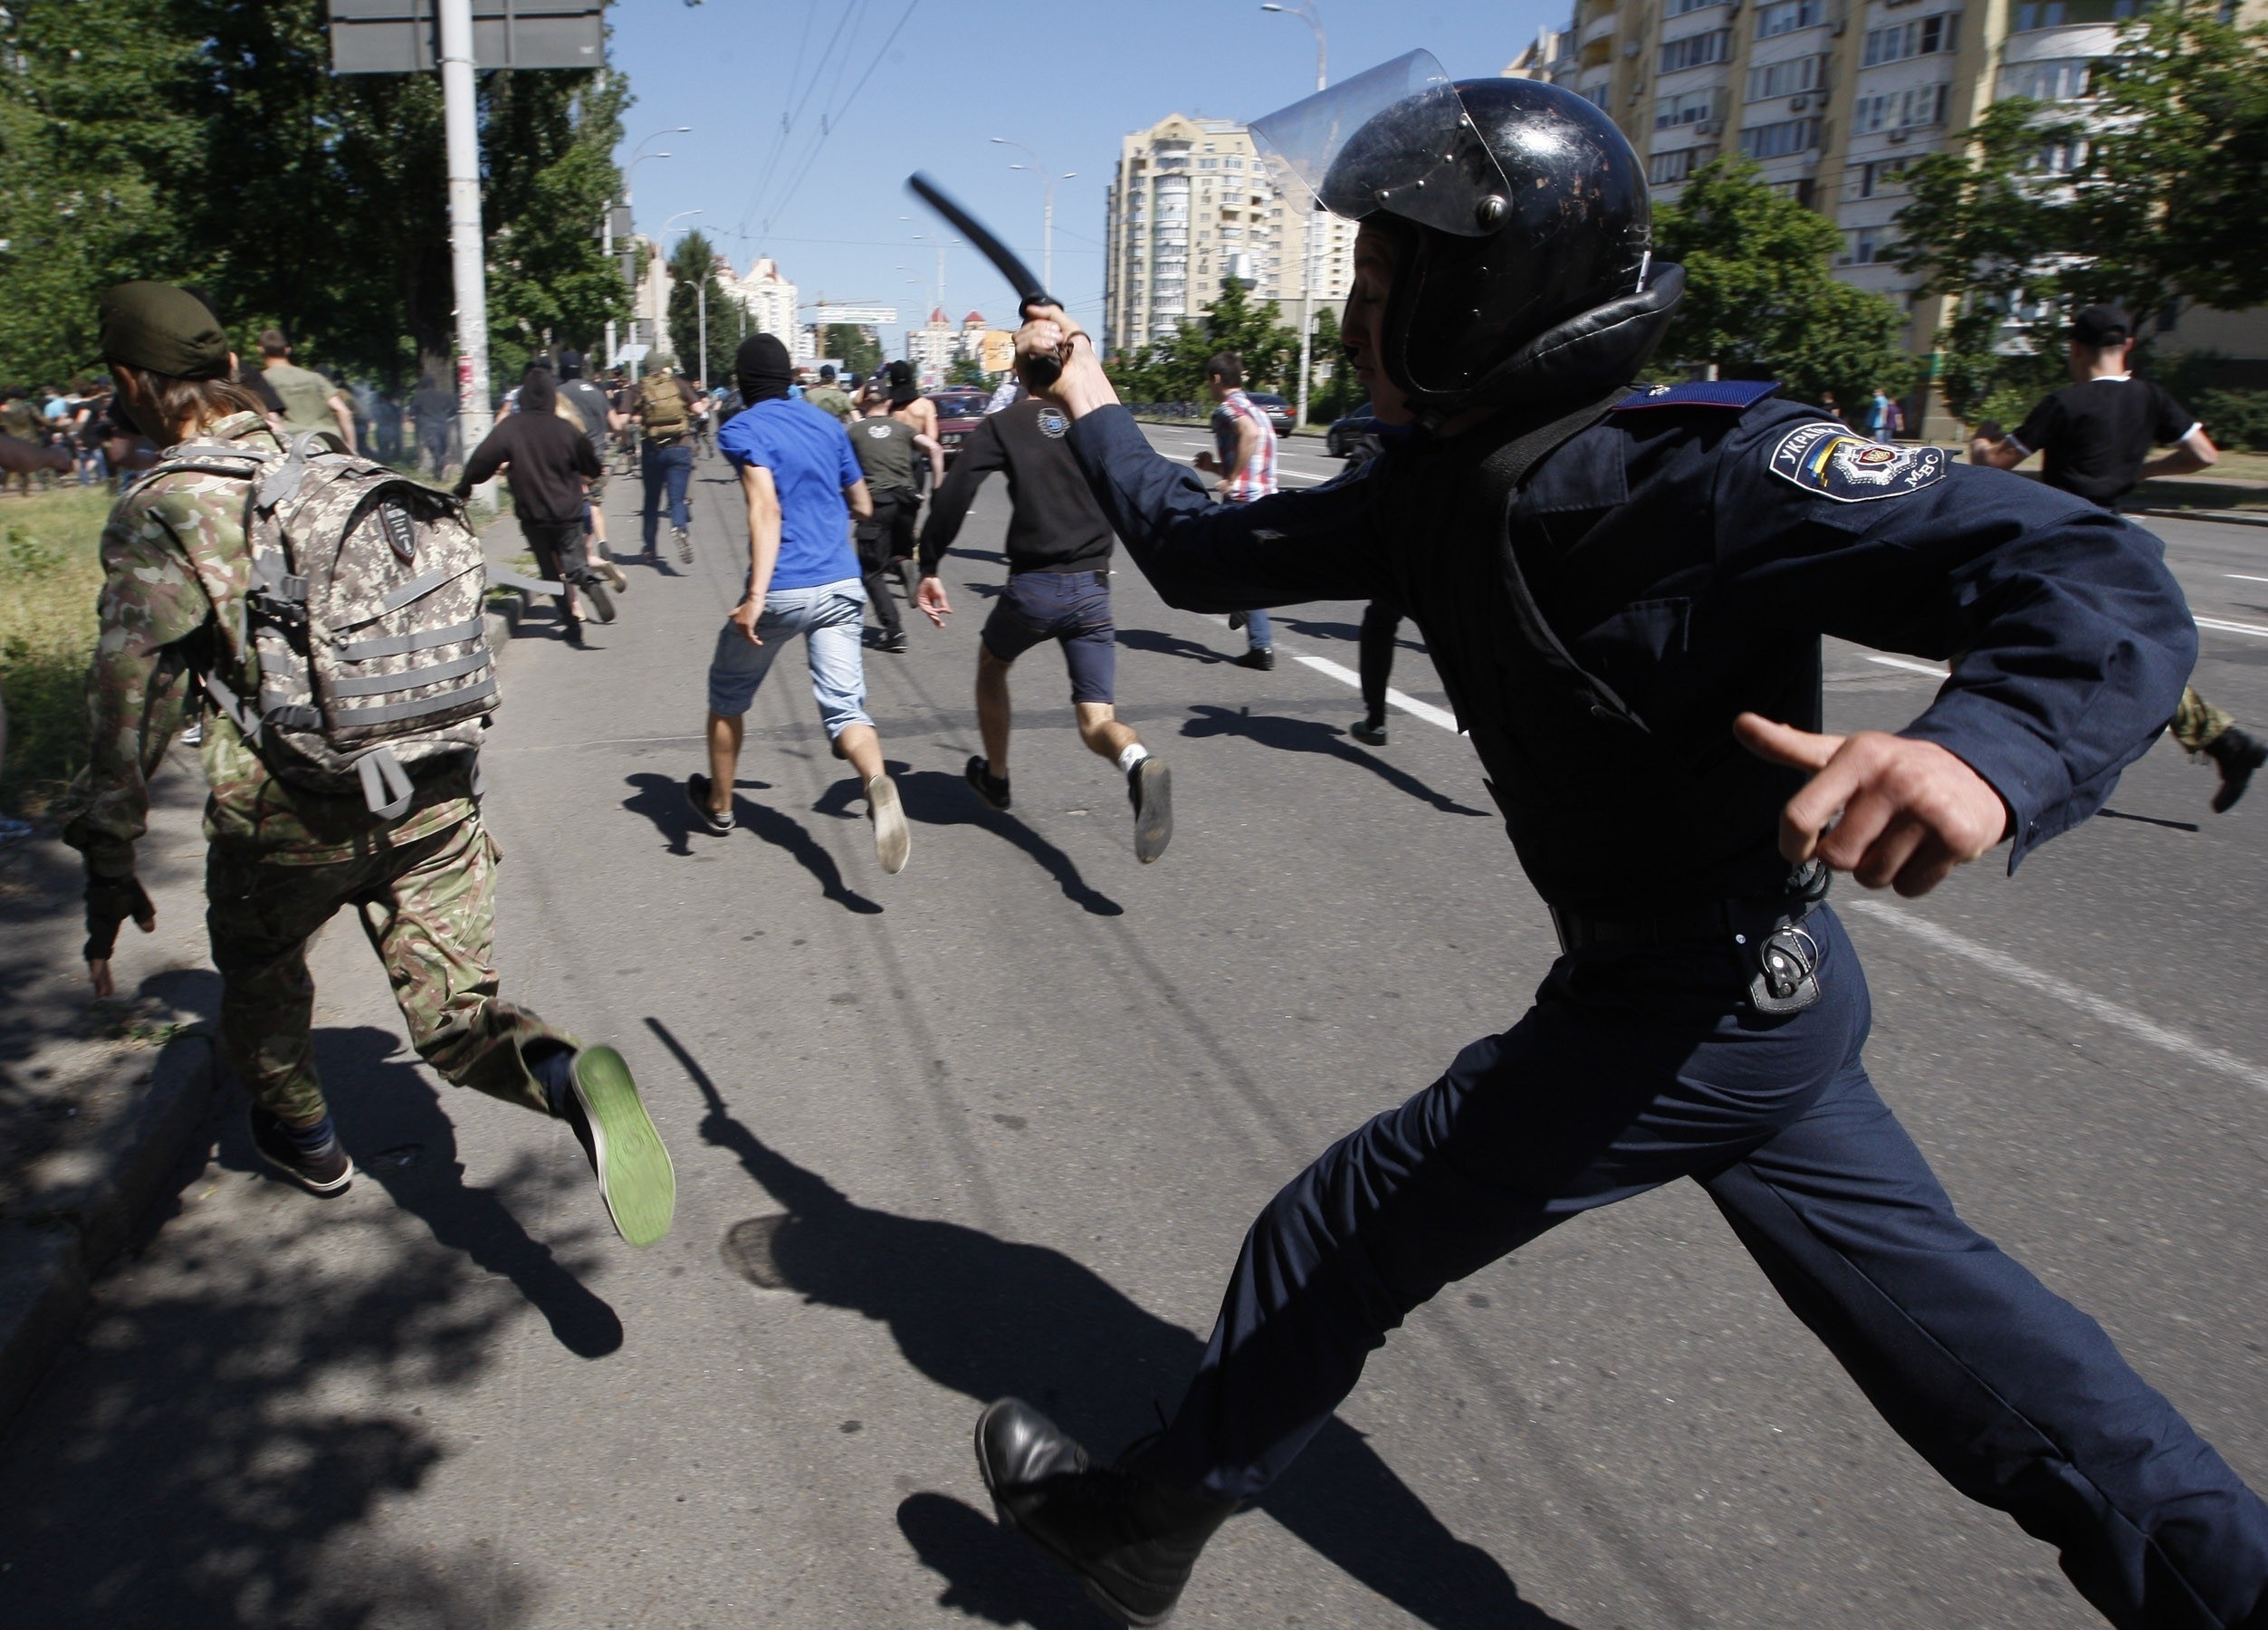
692, 267
1760, 301
859, 352
1173, 371
2146, 195
1342, 392
967, 371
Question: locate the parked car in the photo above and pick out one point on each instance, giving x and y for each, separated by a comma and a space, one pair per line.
1278, 411
1344, 434
958, 411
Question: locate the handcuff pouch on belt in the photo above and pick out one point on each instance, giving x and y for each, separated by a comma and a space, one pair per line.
1787, 978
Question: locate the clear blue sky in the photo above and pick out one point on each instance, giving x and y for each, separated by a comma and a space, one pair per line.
1068, 80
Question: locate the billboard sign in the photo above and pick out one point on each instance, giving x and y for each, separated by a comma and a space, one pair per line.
861, 315
403, 36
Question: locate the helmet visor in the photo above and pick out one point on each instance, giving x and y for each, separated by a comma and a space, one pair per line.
1395, 139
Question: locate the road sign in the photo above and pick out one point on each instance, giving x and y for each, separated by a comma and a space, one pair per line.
861, 314
402, 36
632, 353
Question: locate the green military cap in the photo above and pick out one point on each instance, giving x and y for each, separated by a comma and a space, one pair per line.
165, 329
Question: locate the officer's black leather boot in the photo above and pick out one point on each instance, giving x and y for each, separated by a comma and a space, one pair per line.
2238, 754
1130, 1538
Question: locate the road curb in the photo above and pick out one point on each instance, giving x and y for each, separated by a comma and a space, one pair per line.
83, 1207
2227, 517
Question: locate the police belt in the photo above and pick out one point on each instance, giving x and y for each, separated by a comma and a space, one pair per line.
1745, 921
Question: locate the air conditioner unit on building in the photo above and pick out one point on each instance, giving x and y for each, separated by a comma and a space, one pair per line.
1897, 135
1797, 104
1708, 127
1841, 25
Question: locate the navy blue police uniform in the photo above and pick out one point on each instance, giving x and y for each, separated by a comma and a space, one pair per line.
1670, 563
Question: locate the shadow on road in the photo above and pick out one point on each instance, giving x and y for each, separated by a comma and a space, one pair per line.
221, 1445
990, 1574
660, 799
990, 1318
933, 798
1311, 735
1167, 644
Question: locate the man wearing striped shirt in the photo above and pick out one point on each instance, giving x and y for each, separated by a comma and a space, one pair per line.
1246, 463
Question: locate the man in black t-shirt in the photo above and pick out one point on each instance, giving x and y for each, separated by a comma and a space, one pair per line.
2095, 436
1058, 588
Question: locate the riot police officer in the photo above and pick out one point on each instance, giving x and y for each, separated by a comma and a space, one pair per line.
1625, 593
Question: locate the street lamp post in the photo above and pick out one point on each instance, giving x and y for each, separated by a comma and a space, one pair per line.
1305, 12
638, 155
1048, 178
661, 311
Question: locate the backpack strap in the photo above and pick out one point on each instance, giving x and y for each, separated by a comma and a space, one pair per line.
387, 788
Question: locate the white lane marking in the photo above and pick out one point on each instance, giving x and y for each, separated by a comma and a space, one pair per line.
1911, 667
2245, 577
1408, 704
2095, 1007
2218, 627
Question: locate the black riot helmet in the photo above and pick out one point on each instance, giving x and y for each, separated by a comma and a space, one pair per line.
1521, 221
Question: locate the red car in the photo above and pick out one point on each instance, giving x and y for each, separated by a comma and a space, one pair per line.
958, 411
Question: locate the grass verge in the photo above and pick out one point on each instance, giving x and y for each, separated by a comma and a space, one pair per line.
52, 572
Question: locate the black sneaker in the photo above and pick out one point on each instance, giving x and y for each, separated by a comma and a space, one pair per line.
593, 588
1371, 733
1132, 1539
1237, 620
1262, 658
2237, 754
636, 1178
326, 1171
697, 791
1150, 788
894, 642
992, 788
684, 546
571, 630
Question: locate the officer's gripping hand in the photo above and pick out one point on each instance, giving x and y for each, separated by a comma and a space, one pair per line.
1892, 811
110, 902
930, 600
1081, 386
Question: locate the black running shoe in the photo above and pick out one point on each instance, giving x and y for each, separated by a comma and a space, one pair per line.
1237, 620
1262, 658
571, 630
992, 788
2237, 754
1371, 733
697, 789
595, 597
325, 1171
1150, 788
1132, 1539
684, 546
894, 642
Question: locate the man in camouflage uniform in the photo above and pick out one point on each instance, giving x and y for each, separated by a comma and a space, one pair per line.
178, 579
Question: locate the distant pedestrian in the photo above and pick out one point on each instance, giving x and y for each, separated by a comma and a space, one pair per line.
1244, 458
1058, 588
600, 420
1881, 417
663, 411
310, 402
802, 485
433, 415
547, 463
829, 396
2095, 436
886, 446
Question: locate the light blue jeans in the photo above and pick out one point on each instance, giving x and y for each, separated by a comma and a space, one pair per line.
830, 617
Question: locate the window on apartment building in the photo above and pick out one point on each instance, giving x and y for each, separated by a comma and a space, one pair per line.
1924, 36
2055, 13
1697, 50
1792, 78
1206, 164
1882, 178
1899, 110
1678, 8
1779, 139
1667, 169
1689, 106
1803, 191
1787, 16
1234, 164
2058, 159
2061, 79
1596, 95
1865, 246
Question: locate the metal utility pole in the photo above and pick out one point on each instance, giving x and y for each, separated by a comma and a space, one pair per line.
700, 304
460, 123
1305, 12
1048, 178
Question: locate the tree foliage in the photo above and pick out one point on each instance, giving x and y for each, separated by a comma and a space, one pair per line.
1173, 371
206, 142
1760, 301
692, 267
2145, 194
859, 352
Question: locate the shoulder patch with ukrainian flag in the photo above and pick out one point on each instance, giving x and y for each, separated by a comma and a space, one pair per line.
1830, 459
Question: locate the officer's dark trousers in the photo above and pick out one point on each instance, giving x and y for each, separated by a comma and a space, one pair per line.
1381, 630
1635, 1067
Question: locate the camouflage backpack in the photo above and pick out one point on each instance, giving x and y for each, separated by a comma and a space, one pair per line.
367, 627
663, 406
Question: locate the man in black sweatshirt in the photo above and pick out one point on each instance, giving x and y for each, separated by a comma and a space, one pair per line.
1058, 588
547, 464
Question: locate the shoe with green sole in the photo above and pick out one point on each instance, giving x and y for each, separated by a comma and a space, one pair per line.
634, 1177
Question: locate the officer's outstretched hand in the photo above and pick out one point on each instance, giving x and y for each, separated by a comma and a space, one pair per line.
1051, 335
1892, 811
929, 599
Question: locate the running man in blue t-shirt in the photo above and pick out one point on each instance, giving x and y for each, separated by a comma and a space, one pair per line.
796, 468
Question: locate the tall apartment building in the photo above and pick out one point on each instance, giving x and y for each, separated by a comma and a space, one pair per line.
771, 300
1835, 99
1193, 201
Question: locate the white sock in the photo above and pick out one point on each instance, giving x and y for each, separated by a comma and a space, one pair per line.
1131, 757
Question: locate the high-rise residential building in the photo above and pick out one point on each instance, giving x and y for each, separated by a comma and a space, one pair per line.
771, 300
1833, 99
930, 349
1194, 201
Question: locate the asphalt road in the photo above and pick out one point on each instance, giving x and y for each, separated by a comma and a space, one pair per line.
997, 1124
